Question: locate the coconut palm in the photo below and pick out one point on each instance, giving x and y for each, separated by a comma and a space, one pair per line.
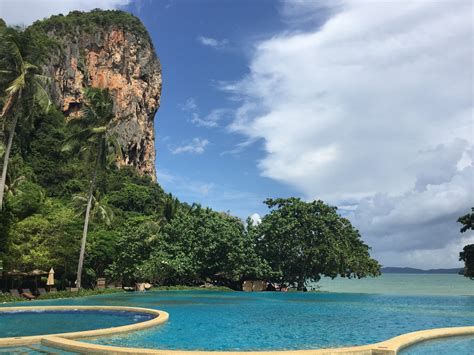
93, 140
22, 88
100, 211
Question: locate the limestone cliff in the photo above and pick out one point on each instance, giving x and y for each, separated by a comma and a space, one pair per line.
108, 49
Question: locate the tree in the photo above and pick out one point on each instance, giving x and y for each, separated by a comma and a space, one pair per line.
99, 209
22, 84
171, 205
44, 240
467, 255
303, 241
209, 246
139, 237
92, 138
144, 199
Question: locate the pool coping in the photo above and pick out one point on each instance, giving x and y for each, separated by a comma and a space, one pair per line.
66, 341
387, 347
159, 318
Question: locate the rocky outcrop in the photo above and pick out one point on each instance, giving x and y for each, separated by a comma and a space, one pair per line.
109, 49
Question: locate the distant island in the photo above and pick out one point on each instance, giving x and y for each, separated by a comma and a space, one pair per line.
410, 270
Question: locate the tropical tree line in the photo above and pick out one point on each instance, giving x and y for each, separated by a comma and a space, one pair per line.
65, 203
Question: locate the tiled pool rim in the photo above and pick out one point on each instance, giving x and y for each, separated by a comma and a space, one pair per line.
66, 341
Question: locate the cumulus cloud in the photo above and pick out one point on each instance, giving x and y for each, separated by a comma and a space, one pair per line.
196, 146
212, 42
372, 110
25, 12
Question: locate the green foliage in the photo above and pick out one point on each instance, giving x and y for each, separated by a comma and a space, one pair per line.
304, 240
45, 240
80, 293
142, 199
24, 198
91, 22
467, 221
467, 255
101, 251
133, 248
7, 298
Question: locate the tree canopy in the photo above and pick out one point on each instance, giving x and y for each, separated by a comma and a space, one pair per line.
467, 255
303, 241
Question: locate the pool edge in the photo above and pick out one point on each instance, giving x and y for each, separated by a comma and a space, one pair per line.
160, 318
387, 347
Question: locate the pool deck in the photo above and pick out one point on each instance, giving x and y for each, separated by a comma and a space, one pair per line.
66, 341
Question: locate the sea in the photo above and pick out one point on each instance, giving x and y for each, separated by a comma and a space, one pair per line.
401, 284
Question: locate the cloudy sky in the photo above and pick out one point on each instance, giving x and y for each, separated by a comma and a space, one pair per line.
367, 105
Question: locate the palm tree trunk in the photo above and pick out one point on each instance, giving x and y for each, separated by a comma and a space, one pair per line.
86, 225
5, 161
8, 106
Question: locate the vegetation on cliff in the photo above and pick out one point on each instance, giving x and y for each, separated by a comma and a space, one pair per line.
130, 228
92, 22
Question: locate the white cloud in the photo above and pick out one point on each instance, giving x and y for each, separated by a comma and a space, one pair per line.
374, 110
212, 42
216, 196
256, 219
25, 12
190, 105
196, 146
209, 121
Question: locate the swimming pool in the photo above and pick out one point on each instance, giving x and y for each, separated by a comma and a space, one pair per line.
210, 320
39, 322
443, 346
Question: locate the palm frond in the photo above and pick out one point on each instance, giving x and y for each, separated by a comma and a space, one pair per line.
42, 98
16, 85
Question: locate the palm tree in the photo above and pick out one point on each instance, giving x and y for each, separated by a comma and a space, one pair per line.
171, 205
99, 210
23, 86
93, 140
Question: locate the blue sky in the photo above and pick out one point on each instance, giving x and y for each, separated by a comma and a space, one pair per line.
367, 105
193, 71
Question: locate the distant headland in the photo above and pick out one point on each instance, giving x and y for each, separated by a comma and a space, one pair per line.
410, 270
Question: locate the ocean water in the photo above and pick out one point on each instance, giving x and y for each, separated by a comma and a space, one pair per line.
402, 284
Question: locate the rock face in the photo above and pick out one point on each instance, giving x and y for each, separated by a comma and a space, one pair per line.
113, 54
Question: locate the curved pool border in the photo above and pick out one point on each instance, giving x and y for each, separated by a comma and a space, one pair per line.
159, 318
387, 347
66, 341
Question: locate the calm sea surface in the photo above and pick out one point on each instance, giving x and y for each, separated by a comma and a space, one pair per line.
403, 284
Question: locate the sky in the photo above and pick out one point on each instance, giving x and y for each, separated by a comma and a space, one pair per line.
366, 105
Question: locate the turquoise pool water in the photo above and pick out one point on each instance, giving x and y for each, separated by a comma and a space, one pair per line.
24, 323
213, 320
448, 346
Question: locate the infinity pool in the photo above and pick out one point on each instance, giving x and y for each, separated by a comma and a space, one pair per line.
211, 320
24, 323
447, 346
